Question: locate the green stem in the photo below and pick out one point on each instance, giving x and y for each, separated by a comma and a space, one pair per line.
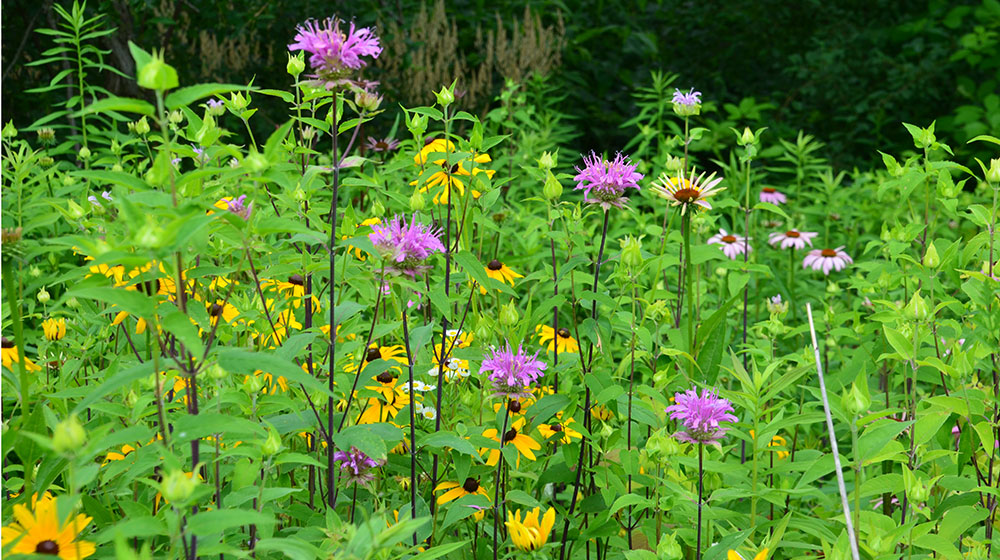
688, 281
15, 315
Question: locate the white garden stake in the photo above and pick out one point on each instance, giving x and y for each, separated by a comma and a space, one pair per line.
833, 441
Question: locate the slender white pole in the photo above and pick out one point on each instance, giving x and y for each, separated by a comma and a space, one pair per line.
833, 441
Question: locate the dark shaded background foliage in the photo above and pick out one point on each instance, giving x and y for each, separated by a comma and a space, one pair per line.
846, 71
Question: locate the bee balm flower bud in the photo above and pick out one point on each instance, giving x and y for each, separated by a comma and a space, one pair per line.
68, 435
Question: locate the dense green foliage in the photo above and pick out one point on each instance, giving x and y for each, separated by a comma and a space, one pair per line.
214, 343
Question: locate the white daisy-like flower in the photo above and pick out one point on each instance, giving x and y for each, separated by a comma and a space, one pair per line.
792, 238
827, 259
731, 245
689, 191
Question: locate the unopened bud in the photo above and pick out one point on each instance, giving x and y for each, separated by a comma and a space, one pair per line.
367, 100
35, 272
177, 487
69, 435
445, 97
547, 161
75, 211
674, 165
175, 117
157, 74
417, 202
43, 296
255, 163
417, 125
553, 188
747, 137
915, 488
631, 252
83, 154
239, 102
854, 401
272, 444
931, 258
916, 309
509, 315
72, 303
668, 548
215, 371
993, 174
296, 64
142, 127
8, 130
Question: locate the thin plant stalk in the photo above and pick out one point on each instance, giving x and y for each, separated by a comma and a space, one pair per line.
496, 492
688, 280
330, 404
845, 504
701, 489
413, 424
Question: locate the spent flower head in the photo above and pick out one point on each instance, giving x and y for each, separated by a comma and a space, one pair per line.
512, 373
604, 182
355, 466
701, 415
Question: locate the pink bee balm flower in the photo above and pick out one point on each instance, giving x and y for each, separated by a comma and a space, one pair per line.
792, 238
333, 54
732, 245
512, 373
827, 259
768, 194
701, 416
240, 207
355, 466
604, 182
689, 99
405, 246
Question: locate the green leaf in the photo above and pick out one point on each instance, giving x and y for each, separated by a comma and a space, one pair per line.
116, 381
134, 302
439, 440
440, 550
630, 500
899, 343
217, 521
123, 104
187, 95
246, 363
472, 267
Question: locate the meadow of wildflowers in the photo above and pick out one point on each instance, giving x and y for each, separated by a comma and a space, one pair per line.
382, 331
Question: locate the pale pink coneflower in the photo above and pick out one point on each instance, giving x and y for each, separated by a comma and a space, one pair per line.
827, 259
792, 238
769, 194
732, 245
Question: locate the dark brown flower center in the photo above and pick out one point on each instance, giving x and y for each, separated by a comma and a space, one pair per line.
216, 309
495, 265
373, 354
381, 145
7, 343
510, 435
793, 234
514, 406
49, 547
563, 333
687, 195
385, 377
471, 485
148, 287
729, 239
296, 280
768, 190
828, 253
454, 169
556, 427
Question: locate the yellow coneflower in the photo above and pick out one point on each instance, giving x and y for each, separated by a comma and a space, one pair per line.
560, 430
524, 444
560, 339
692, 191
54, 329
39, 530
499, 271
226, 310
325, 329
776, 441
272, 383
532, 533
456, 490
455, 171
9, 355
282, 324
733, 555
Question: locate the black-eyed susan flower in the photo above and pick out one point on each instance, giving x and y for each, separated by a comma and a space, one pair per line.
284, 322
392, 398
776, 441
686, 192
447, 176
223, 309
270, 383
358, 253
532, 533
294, 290
601, 412
9, 355
560, 339
559, 431
524, 444
54, 329
456, 490
40, 530
499, 271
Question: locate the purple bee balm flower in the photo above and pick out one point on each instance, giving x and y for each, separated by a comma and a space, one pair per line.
604, 182
333, 54
240, 207
689, 99
405, 246
701, 415
355, 466
215, 103
512, 374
